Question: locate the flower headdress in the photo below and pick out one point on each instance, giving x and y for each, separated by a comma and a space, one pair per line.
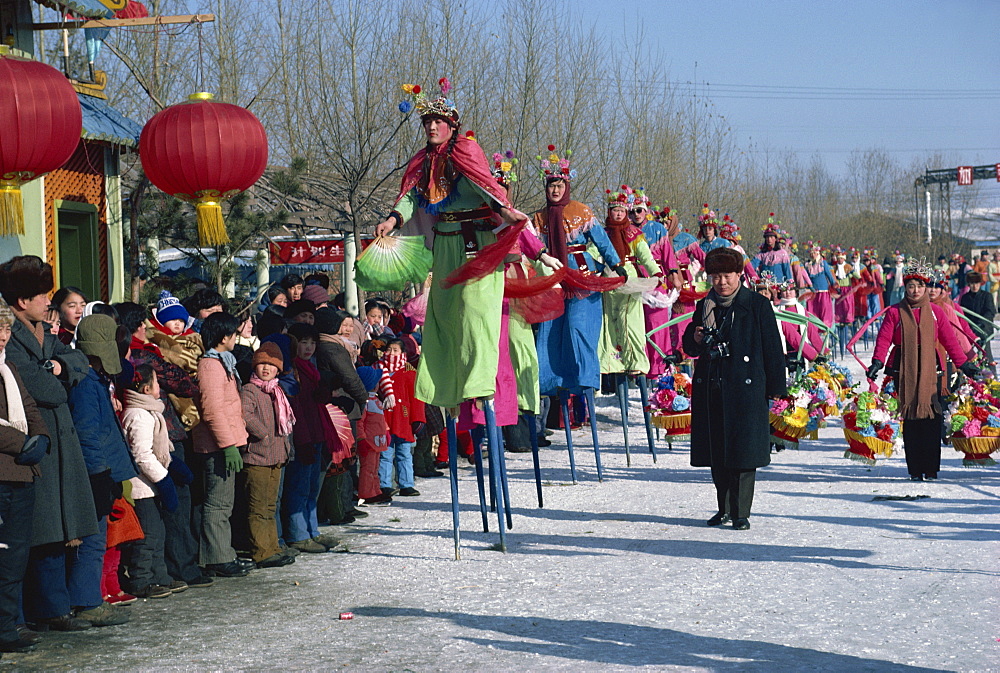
503, 167
627, 197
707, 219
729, 230
766, 281
772, 227
555, 167
919, 270
441, 106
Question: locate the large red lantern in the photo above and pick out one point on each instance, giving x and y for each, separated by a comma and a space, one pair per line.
203, 151
40, 124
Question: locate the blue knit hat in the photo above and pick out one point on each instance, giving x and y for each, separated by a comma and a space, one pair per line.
170, 308
369, 376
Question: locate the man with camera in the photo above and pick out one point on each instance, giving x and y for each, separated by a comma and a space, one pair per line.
740, 367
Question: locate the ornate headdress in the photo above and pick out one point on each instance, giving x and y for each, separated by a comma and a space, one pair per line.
555, 168
503, 167
441, 106
814, 246
919, 270
765, 281
628, 198
707, 219
729, 230
772, 227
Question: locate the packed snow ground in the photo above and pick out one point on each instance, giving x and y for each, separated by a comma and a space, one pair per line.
610, 576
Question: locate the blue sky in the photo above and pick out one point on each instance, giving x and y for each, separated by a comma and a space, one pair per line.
918, 76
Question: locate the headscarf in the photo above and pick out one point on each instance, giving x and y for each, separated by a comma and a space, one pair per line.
918, 369
618, 233
282, 409
556, 242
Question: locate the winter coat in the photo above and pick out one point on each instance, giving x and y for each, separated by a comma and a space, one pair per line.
890, 337
101, 437
266, 447
981, 303
12, 440
339, 374
221, 411
175, 383
151, 459
753, 373
64, 504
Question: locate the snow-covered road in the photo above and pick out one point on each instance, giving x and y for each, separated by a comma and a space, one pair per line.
611, 576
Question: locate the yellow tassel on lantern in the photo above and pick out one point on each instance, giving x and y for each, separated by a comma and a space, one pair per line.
211, 227
11, 209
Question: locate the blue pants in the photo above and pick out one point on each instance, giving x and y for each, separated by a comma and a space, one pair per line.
60, 577
302, 484
399, 453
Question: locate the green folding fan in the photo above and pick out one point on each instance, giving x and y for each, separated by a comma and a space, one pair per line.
390, 262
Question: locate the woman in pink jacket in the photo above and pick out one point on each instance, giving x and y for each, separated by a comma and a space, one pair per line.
217, 439
909, 341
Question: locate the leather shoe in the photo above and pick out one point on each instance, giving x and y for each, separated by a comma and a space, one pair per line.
276, 561
27, 635
19, 645
719, 519
231, 569
542, 442
64, 623
245, 562
741, 524
430, 474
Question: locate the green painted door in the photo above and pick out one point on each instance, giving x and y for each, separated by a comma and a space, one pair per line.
77, 240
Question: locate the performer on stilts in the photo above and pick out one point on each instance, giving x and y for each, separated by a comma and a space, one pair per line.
567, 345
658, 304
771, 256
822, 281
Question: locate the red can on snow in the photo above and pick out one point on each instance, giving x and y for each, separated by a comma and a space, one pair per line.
347, 615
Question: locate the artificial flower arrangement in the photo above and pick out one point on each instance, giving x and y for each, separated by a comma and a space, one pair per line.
872, 425
670, 403
974, 420
828, 383
792, 415
843, 376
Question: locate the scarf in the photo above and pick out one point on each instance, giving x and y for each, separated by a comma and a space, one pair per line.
38, 329
282, 409
15, 406
228, 361
466, 157
618, 233
307, 370
348, 345
392, 362
556, 239
918, 369
712, 301
161, 436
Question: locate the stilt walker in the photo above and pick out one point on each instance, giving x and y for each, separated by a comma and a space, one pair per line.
622, 348
449, 190
567, 345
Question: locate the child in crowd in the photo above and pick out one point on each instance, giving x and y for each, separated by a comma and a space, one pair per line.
373, 439
216, 440
153, 490
68, 303
269, 422
180, 345
402, 418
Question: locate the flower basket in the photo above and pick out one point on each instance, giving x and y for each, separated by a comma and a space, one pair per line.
977, 450
865, 449
784, 433
677, 424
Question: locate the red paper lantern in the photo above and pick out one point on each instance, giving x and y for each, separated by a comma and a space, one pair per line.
41, 120
203, 151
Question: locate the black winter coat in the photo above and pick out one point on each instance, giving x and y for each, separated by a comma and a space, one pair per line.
753, 373
981, 303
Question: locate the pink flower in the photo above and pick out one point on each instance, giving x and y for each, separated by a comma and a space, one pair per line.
445, 86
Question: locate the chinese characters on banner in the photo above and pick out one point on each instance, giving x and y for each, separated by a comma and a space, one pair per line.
327, 251
964, 176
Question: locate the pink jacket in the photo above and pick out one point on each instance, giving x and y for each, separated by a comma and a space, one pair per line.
891, 335
221, 410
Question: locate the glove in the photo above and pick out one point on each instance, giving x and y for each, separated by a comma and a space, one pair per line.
821, 360
620, 270
181, 473
234, 461
873, 371
127, 492
168, 494
792, 361
969, 369
672, 359
33, 451
418, 427
105, 490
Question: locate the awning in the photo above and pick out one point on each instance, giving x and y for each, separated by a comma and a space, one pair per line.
103, 122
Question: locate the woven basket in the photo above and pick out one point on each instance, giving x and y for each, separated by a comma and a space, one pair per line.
676, 423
